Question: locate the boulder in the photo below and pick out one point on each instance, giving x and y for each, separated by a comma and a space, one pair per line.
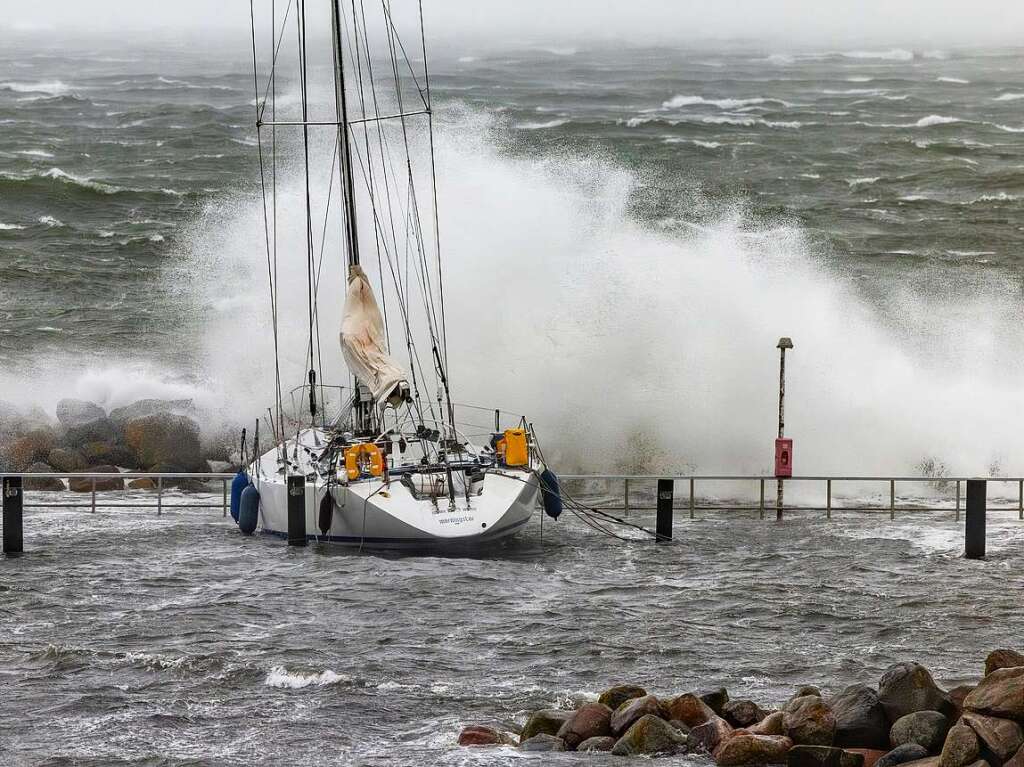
590, 720
909, 687
142, 483
925, 728
480, 735
809, 722
548, 720
600, 743
614, 697
146, 407
705, 738
805, 690
956, 698
690, 710
1017, 760
908, 752
998, 659
1001, 737
744, 748
75, 412
679, 726
113, 453
51, 484
30, 448
823, 756
631, 710
870, 755
742, 713
1000, 694
63, 459
649, 735
165, 438
100, 430
84, 484
716, 699
773, 724
542, 742
861, 721
961, 747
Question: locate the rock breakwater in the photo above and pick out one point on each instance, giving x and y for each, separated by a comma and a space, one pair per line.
906, 720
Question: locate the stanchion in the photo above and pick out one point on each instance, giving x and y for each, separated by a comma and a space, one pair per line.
974, 529
664, 525
297, 510
13, 523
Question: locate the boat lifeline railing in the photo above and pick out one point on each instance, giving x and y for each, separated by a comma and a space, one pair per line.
695, 503
161, 479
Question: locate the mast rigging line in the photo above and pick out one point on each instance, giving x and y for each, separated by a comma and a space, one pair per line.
336, 123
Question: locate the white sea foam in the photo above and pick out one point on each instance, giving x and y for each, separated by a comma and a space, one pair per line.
855, 91
467, 59
281, 678
51, 87
543, 125
863, 181
1008, 128
50, 221
677, 102
930, 120
892, 54
953, 80
1009, 97
35, 153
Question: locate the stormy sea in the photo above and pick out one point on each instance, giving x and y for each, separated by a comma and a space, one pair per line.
627, 231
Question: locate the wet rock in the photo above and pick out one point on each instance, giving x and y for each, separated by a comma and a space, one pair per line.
690, 710
547, 721
165, 438
33, 447
716, 699
75, 412
705, 738
925, 728
542, 742
480, 735
861, 721
956, 698
744, 748
743, 713
84, 484
614, 697
907, 752
871, 755
63, 459
51, 484
100, 430
113, 453
681, 726
823, 756
1017, 760
630, 711
773, 724
909, 687
998, 659
1000, 694
961, 747
601, 743
805, 690
649, 735
1000, 736
588, 721
809, 722
146, 407
142, 483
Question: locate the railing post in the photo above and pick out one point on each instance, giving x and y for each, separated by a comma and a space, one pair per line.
159, 495
296, 510
625, 496
94, 495
663, 530
1020, 499
958, 500
224, 488
892, 499
974, 530
13, 501
691, 497
828, 499
761, 504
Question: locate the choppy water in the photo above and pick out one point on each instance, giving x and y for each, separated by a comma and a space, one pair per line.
131, 639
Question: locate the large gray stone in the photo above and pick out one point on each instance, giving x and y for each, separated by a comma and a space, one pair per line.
165, 439
590, 720
908, 752
615, 696
1000, 694
961, 747
542, 742
808, 721
909, 687
147, 407
631, 710
744, 748
743, 713
1002, 737
600, 743
75, 412
925, 728
548, 721
649, 735
861, 721
51, 484
823, 756
998, 659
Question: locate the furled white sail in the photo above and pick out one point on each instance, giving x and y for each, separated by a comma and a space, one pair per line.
364, 346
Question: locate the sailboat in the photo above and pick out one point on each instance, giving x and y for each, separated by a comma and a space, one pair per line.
393, 467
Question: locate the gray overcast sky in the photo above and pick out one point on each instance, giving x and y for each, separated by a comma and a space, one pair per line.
803, 22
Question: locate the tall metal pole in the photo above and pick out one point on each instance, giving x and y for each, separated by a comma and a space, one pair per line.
784, 343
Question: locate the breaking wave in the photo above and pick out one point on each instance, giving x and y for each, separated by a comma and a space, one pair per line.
677, 102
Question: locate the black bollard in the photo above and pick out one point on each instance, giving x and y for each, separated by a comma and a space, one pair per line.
664, 525
974, 529
297, 511
13, 527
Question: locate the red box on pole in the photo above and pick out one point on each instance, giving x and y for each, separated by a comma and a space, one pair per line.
783, 457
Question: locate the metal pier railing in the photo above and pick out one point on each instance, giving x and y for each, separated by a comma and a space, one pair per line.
630, 483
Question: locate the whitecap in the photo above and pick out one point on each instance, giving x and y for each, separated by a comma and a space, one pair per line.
50, 221
1009, 97
863, 181
954, 80
34, 153
1007, 128
156, 238
893, 54
280, 677
467, 59
9, 227
52, 87
543, 125
679, 101
67, 178
930, 120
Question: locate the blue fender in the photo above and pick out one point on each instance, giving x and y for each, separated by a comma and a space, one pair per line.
551, 493
238, 484
249, 510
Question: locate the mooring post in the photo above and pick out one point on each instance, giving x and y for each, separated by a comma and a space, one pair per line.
1020, 499
974, 529
892, 499
664, 525
625, 496
224, 498
828, 499
784, 343
958, 500
93, 510
159, 495
761, 504
691, 497
13, 524
297, 510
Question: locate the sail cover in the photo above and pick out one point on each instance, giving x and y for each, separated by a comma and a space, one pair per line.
364, 345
